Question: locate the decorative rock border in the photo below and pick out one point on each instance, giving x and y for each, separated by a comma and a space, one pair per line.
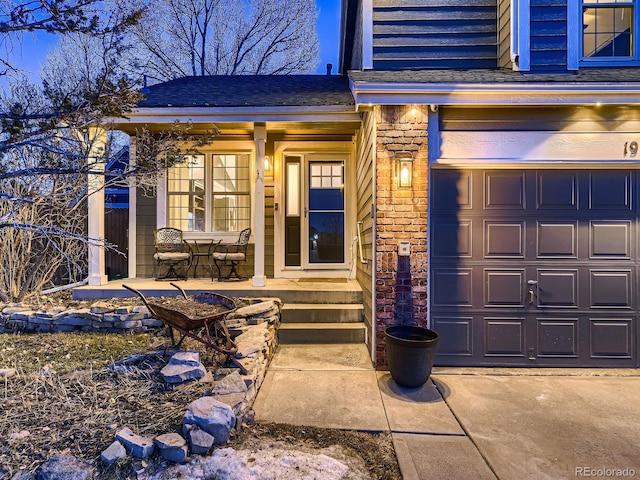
100, 317
255, 331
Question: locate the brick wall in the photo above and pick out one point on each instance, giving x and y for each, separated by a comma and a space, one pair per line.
401, 215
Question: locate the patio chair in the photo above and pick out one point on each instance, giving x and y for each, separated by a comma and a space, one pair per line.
171, 251
231, 255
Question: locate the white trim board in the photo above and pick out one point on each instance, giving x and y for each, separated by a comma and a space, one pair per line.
456, 147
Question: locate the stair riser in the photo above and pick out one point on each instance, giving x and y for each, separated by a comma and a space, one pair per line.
310, 315
291, 336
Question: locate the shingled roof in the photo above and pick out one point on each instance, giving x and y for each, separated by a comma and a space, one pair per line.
489, 77
250, 91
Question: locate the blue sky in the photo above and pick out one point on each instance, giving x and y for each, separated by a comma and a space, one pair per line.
33, 51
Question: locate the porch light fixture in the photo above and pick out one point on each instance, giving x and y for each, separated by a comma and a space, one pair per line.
404, 170
268, 163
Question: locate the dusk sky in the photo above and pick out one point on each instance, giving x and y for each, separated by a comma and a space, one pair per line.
34, 49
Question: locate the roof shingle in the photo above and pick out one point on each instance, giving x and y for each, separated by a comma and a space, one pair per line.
250, 91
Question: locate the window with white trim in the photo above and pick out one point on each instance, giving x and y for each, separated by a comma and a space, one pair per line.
210, 193
608, 32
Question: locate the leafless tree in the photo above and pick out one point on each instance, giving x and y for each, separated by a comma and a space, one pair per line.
49, 144
179, 38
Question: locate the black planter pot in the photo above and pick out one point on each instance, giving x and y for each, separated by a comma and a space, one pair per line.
410, 353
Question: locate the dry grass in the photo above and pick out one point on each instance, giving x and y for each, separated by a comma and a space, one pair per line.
77, 407
76, 404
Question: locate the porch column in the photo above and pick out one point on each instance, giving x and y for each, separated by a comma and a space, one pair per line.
132, 252
96, 137
260, 138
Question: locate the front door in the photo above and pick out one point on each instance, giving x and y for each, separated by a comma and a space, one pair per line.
314, 212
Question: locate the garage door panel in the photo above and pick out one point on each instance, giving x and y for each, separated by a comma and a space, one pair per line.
452, 190
557, 239
504, 190
452, 287
504, 239
557, 337
557, 288
504, 337
610, 190
453, 239
557, 190
611, 289
611, 337
455, 336
610, 239
536, 268
504, 288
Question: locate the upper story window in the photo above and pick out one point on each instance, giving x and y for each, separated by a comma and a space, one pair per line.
210, 193
608, 31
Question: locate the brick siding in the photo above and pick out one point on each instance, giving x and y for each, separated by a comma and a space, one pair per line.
401, 215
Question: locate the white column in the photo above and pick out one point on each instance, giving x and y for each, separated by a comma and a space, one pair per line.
97, 267
132, 251
260, 138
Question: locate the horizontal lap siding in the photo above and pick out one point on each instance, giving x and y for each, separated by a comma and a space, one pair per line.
434, 34
548, 35
365, 186
556, 119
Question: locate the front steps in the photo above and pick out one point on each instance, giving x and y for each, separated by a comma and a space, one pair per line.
322, 323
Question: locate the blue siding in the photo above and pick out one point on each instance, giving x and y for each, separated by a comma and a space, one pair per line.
434, 34
548, 35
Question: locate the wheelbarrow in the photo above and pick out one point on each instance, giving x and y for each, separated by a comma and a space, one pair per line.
209, 329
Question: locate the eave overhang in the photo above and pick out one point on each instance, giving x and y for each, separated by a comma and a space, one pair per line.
272, 116
478, 94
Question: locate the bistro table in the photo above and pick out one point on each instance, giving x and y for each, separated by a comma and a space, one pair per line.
202, 250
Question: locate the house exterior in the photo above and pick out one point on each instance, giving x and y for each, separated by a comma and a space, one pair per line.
484, 153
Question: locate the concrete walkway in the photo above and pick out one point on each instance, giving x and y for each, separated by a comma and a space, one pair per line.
509, 424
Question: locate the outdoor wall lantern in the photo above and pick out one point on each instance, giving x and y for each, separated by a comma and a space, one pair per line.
404, 169
268, 164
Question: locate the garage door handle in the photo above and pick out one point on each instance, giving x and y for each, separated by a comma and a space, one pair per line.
532, 294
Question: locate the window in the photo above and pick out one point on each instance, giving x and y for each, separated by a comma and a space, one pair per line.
608, 31
210, 193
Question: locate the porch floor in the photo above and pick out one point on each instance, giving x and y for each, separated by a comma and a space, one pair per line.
288, 290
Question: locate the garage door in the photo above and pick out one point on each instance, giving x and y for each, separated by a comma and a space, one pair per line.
535, 267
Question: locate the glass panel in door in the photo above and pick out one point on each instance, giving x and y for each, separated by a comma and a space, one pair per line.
326, 216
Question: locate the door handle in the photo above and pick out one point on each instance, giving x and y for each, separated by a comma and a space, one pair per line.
305, 212
532, 294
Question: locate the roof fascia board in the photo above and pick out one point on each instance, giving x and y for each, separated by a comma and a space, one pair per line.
503, 94
258, 114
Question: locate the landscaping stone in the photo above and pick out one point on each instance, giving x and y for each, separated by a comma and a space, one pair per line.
102, 307
200, 441
232, 383
264, 309
66, 468
138, 446
212, 416
113, 453
173, 447
7, 372
183, 366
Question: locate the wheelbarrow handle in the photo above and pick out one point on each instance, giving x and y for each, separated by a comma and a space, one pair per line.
139, 293
184, 294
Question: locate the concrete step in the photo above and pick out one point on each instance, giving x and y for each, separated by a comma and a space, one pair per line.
321, 313
290, 333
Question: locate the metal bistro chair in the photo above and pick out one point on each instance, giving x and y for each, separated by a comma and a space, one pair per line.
231, 255
171, 251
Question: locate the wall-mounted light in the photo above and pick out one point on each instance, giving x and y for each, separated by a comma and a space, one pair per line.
404, 169
268, 164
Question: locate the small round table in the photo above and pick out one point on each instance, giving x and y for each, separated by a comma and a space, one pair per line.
197, 253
